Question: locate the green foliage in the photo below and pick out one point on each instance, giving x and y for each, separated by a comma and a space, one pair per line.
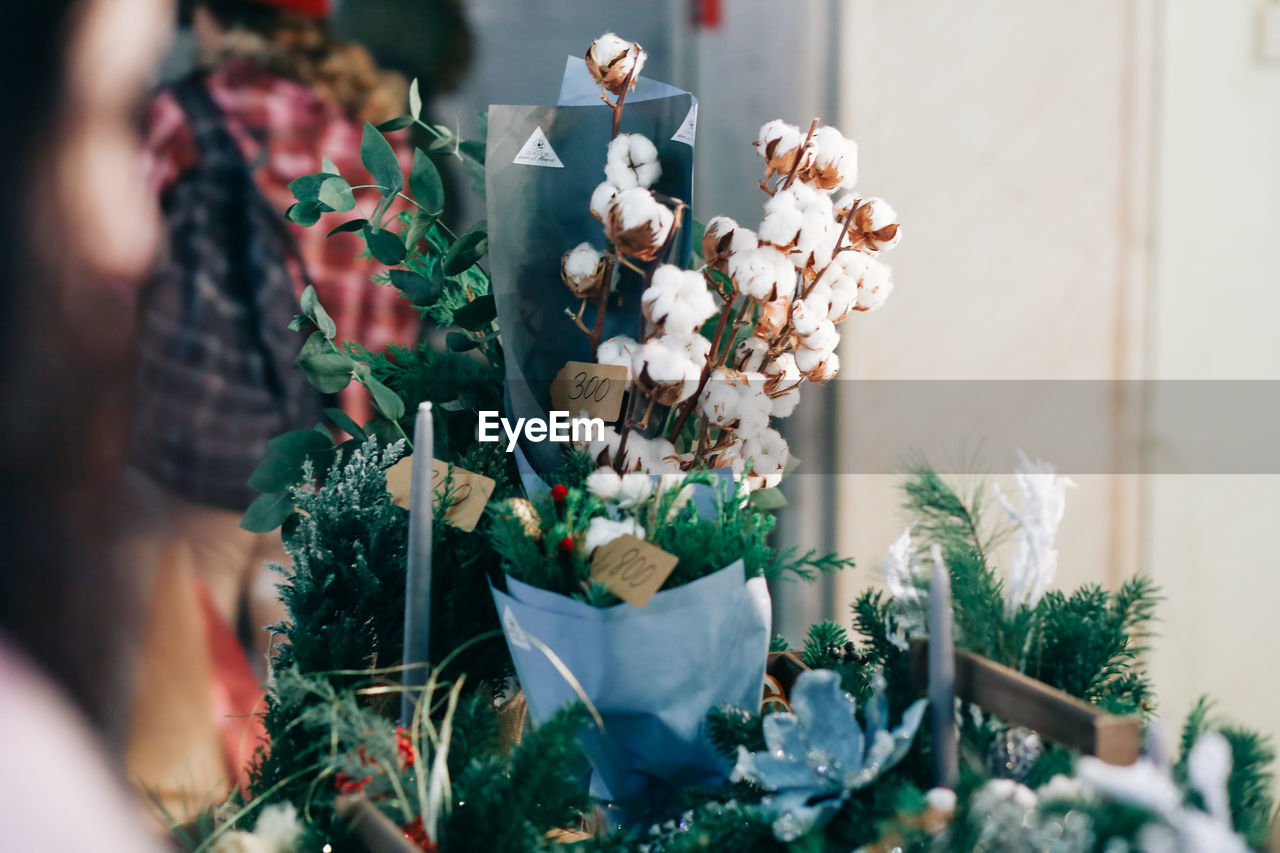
734, 530
729, 728
1249, 787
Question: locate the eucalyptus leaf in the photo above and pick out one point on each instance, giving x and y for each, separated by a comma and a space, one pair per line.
315, 311
418, 227
349, 225
267, 512
346, 423
385, 245
424, 182
380, 159
336, 193
296, 444
419, 289
305, 213
397, 123
415, 99
307, 188
388, 402
469, 248
326, 369
327, 167
276, 473
476, 314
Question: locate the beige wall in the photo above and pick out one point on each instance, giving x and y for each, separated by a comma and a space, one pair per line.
1090, 190
1216, 296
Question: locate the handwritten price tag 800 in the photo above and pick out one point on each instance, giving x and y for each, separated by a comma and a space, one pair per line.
632, 569
596, 389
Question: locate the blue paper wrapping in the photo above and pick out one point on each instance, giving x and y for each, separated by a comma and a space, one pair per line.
652, 673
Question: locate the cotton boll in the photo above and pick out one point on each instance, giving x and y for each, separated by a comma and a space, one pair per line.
601, 531
754, 405
614, 62
659, 456
763, 274
750, 353
677, 300
768, 454
779, 144
835, 160
817, 365
605, 449
665, 372
582, 269
823, 337
782, 221
638, 224
875, 285
634, 489
719, 400
632, 161
804, 320
875, 225
618, 351
602, 199
843, 300
818, 299
604, 483
785, 402
716, 239
773, 317
278, 825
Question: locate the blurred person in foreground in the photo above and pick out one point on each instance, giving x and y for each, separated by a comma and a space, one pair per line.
274, 94
77, 230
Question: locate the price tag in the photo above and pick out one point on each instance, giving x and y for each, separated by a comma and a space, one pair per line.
468, 492
596, 389
631, 568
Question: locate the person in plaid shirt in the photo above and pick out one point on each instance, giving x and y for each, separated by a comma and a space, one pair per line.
287, 94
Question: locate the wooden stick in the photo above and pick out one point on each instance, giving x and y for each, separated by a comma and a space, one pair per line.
374, 830
1023, 701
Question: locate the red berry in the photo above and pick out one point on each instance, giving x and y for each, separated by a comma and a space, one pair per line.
565, 545
559, 492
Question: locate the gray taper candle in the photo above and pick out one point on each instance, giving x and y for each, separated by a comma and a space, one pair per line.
417, 597
942, 675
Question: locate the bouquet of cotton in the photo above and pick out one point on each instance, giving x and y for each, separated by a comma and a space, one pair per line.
623, 593
723, 349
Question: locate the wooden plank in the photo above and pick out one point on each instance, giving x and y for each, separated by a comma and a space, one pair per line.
371, 828
1023, 701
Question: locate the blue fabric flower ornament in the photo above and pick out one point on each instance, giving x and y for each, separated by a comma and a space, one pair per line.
818, 755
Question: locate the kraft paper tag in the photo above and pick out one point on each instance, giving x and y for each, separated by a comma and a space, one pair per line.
596, 389
631, 568
468, 491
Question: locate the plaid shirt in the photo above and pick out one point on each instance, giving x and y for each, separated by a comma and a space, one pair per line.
285, 128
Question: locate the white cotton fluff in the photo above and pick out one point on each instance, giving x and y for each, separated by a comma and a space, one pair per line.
782, 380
735, 398
666, 364
632, 162
609, 47
582, 260
278, 825
818, 299
697, 348
754, 405
601, 531
618, 351
636, 207
604, 483
875, 285
764, 274
602, 199
842, 301
787, 136
876, 213
677, 300
239, 841
782, 221
823, 337
817, 365
835, 155
768, 454
785, 402
653, 455
750, 353
719, 400
627, 490
804, 319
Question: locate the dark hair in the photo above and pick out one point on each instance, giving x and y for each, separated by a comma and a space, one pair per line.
249, 14
62, 599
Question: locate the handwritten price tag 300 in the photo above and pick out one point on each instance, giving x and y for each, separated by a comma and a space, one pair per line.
632, 569
467, 492
596, 389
